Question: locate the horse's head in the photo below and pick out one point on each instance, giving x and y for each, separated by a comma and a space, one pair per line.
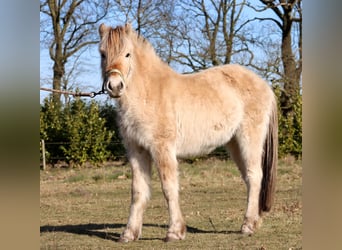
116, 51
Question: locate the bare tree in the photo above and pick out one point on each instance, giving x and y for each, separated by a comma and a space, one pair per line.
191, 35
143, 14
153, 19
288, 15
209, 33
67, 28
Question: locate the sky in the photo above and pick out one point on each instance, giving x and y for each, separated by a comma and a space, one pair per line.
89, 78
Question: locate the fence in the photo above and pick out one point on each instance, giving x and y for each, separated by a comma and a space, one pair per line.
120, 155
42, 145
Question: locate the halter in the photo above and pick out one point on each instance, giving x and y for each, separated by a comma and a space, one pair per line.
118, 72
110, 72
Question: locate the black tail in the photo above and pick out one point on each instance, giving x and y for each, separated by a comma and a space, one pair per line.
269, 163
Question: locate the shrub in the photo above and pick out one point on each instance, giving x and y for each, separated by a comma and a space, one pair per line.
290, 128
116, 147
51, 128
80, 129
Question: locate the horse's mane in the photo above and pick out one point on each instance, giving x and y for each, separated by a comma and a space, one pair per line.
117, 35
115, 40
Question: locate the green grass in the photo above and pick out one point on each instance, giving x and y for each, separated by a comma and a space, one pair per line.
88, 208
76, 178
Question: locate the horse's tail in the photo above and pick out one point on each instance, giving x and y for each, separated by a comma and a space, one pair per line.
269, 162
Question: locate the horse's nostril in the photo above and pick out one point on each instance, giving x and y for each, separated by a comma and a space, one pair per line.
121, 86
110, 87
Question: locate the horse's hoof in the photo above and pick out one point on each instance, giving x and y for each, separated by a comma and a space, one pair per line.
173, 237
247, 229
123, 240
250, 226
129, 235
169, 239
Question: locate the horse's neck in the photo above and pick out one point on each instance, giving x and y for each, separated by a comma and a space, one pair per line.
148, 74
152, 66
151, 73
148, 77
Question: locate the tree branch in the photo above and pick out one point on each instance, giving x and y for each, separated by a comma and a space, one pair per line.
71, 52
270, 4
270, 19
51, 50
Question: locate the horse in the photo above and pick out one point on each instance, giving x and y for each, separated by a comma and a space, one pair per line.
164, 116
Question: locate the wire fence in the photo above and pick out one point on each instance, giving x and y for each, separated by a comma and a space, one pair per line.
116, 155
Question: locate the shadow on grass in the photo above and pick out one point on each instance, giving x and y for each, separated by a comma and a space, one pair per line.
95, 230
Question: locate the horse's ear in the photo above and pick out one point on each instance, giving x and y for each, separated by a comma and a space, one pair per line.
103, 29
128, 28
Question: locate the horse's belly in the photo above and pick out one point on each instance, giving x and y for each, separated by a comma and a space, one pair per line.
208, 121
199, 141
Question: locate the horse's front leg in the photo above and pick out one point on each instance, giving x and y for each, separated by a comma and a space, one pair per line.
140, 160
168, 172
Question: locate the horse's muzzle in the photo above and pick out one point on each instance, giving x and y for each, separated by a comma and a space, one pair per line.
115, 90
114, 83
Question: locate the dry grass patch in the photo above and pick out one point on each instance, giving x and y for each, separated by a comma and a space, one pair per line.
88, 209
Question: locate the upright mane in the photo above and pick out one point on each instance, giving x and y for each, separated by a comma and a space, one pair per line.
115, 38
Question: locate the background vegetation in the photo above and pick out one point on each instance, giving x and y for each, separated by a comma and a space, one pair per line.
265, 36
76, 132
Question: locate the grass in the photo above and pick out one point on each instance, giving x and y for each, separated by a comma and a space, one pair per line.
88, 208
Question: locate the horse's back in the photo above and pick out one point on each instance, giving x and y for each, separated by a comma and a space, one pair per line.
242, 79
211, 106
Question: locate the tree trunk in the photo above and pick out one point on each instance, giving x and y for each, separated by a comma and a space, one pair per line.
58, 69
58, 72
71, 26
291, 74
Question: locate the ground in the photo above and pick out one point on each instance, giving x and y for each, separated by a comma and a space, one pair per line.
87, 208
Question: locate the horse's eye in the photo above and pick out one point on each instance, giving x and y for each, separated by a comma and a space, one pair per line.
128, 55
103, 56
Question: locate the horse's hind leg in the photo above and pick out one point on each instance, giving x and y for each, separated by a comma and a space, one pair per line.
246, 152
168, 172
234, 150
140, 160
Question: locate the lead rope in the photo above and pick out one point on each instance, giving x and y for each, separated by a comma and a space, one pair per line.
86, 94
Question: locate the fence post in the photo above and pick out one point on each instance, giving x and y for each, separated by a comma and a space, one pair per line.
43, 153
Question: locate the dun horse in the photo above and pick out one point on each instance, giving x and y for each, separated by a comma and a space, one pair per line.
164, 115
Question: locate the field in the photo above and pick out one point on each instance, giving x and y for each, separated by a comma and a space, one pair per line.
88, 208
